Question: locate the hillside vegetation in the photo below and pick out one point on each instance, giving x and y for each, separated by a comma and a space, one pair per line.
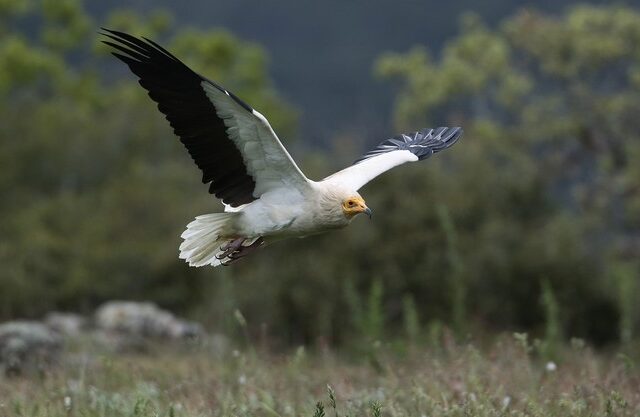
529, 223
445, 379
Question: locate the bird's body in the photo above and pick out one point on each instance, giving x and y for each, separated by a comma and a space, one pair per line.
285, 213
278, 214
266, 195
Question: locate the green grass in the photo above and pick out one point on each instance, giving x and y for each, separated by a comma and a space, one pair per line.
503, 379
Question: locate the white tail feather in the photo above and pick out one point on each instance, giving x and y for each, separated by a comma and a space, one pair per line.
204, 236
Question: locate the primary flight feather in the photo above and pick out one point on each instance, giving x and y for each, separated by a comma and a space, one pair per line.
266, 196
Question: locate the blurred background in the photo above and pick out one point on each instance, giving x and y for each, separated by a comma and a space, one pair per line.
530, 224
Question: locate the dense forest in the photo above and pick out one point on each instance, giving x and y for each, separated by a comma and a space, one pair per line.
529, 223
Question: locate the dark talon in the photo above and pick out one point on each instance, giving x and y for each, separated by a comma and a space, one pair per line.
235, 243
240, 252
230, 247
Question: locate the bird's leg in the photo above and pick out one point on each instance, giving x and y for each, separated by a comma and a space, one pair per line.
230, 247
243, 251
235, 243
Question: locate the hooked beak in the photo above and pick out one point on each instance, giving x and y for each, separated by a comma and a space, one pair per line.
368, 212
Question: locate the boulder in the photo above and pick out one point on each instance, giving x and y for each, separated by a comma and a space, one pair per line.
27, 346
67, 324
144, 319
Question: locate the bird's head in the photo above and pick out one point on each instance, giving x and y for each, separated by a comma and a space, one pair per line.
354, 205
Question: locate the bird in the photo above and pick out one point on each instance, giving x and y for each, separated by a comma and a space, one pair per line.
266, 196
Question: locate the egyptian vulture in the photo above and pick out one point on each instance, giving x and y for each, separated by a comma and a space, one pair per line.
265, 195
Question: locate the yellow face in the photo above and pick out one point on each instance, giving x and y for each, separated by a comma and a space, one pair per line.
355, 205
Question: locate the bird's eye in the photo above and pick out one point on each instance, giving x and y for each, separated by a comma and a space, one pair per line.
350, 203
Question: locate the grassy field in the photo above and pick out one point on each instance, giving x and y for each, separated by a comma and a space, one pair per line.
503, 379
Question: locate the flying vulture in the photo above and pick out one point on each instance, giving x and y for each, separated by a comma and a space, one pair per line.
266, 196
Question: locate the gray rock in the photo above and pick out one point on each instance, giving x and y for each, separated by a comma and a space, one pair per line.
67, 324
27, 346
144, 320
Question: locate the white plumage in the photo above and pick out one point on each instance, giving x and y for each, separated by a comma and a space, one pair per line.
266, 195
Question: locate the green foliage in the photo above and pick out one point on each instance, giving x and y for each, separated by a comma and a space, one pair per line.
376, 408
96, 189
499, 380
625, 277
458, 287
12, 8
332, 400
319, 410
553, 326
95, 186
374, 324
543, 182
411, 318
67, 25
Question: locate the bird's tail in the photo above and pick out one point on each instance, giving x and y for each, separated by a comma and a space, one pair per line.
204, 237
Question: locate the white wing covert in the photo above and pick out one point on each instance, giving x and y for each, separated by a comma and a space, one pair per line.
265, 158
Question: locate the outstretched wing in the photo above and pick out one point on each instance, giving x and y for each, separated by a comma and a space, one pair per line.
396, 151
234, 145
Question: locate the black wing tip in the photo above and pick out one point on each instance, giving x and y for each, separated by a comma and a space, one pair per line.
422, 144
449, 135
180, 95
138, 47
141, 48
443, 133
115, 33
434, 141
103, 31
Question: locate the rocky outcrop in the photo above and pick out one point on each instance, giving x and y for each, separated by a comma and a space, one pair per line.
120, 326
144, 320
27, 346
67, 324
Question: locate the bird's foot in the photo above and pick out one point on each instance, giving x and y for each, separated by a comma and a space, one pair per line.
230, 247
242, 251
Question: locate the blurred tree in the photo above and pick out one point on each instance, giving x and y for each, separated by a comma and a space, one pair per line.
544, 185
542, 188
95, 187
549, 106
